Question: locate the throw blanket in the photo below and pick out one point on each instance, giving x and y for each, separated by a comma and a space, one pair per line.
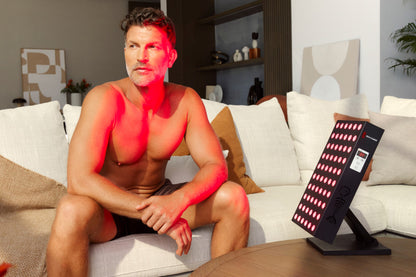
27, 209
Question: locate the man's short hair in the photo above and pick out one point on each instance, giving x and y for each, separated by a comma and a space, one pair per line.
150, 17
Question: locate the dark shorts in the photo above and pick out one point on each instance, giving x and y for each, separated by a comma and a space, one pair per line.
128, 226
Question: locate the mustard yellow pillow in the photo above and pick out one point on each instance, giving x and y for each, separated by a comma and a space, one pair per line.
224, 128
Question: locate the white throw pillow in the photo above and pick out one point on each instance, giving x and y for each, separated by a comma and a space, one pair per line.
34, 138
71, 115
212, 108
311, 122
394, 161
398, 106
182, 169
269, 153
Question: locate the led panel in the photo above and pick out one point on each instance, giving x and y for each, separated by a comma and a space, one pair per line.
336, 178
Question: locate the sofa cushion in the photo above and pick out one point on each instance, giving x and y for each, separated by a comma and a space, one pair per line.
311, 122
269, 153
34, 137
398, 106
182, 169
71, 115
394, 161
224, 128
398, 204
27, 210
148, 255
271, 219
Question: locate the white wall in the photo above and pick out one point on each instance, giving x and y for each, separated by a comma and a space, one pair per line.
88, 31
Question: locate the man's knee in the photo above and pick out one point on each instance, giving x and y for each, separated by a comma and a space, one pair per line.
74, 213
233, 198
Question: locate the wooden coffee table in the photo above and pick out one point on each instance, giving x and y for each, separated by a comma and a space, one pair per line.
299, 258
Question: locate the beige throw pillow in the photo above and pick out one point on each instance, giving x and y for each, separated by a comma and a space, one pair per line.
394, 161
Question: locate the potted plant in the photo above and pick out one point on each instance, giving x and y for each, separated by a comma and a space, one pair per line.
405, 40
76, 90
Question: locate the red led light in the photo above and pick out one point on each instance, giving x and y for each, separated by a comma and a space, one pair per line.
344, 160
332, 135
318, 217
341, 126
339, 171
328, 194
309, 225
349, 149
323, 205
337, 125
336, 147
313, 228
354, 138
345, 148
328, 145
359, 127
296, 216
339, 159
334, 182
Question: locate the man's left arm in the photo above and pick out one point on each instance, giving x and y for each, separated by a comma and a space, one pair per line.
206, 151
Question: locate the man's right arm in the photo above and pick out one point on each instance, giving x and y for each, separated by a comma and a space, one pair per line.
87, 153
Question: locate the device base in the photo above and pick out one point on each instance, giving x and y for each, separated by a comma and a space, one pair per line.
348, 245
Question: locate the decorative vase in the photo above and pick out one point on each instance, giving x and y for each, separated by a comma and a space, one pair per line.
255, 93
76, 99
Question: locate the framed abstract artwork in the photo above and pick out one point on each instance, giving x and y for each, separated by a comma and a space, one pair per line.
43, 75
330, 71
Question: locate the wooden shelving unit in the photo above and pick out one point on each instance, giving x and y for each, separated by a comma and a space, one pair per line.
230, 15
233, 14
230, 65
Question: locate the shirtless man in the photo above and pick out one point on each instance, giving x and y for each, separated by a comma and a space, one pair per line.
126, 134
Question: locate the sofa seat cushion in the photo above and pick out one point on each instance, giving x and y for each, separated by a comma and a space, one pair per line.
148, 255
271, 214
399, 205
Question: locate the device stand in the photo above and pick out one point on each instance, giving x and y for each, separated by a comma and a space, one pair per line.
359, 243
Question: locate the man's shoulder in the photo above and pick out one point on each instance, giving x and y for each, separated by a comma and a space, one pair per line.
103, 93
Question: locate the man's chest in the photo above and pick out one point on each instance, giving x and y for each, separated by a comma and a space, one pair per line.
154, 136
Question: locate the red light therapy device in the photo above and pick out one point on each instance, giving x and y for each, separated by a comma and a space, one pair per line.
334, 182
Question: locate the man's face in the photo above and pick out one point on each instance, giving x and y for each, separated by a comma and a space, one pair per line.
148, 54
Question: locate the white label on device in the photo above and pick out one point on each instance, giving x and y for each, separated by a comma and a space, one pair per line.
359, 160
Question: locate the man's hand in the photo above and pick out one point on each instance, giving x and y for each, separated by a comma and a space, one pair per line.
160, 212
182, 234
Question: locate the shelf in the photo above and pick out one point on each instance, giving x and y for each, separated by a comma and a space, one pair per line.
239, 12
232, 65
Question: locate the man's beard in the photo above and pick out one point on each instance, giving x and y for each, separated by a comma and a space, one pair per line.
136, 78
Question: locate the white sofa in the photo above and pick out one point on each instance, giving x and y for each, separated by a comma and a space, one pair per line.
278, 159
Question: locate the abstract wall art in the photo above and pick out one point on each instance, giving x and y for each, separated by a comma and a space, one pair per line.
330, 71
43, 75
